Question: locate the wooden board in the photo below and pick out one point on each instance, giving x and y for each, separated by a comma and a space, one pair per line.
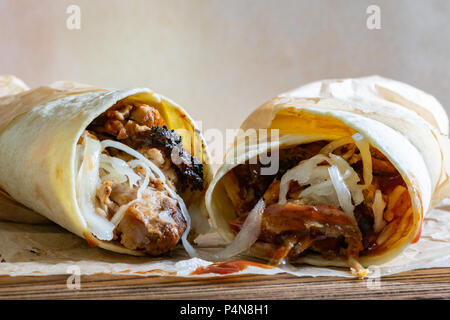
418, 284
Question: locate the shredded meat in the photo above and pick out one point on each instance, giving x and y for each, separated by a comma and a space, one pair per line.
104, 205
381, 165
154, 225
364, 218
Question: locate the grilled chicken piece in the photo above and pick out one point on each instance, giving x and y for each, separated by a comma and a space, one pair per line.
125, 119
252, 185
292, 228
154, 224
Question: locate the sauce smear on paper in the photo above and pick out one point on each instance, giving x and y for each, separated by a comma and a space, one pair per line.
228, 267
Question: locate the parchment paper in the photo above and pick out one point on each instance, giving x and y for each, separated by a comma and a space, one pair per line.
49, 250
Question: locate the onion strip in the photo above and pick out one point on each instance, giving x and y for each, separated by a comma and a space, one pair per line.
301, 173
333, 145
378, 207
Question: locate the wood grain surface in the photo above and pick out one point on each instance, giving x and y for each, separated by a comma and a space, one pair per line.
418, 284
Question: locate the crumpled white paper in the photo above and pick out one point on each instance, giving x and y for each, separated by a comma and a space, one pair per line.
48, 250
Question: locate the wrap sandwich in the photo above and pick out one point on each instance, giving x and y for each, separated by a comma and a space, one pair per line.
359, 162
125, 169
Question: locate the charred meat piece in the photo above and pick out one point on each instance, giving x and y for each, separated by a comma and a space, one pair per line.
187, 167
154, 224
364, 218
381, 166
144, 228
252, 181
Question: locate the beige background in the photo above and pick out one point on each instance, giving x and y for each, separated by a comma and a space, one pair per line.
221, 59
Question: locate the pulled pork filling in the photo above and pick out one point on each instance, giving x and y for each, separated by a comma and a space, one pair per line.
141, 209
339, 199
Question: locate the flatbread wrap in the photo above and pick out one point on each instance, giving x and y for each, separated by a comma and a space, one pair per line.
359, 164
125, 169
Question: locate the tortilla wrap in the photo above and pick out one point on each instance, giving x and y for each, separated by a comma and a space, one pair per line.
39, 131
408, 126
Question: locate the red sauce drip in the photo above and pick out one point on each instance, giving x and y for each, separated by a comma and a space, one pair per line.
228, 267
419, 232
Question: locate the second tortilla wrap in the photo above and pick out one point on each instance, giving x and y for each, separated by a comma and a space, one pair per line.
43, 133
406, 131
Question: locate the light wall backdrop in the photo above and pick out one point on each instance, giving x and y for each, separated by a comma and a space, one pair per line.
221, 59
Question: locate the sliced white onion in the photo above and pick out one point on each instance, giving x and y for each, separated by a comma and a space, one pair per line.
366, 157
324, 188
143, 184
378, 211
118, 216
134, 153
87, 181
